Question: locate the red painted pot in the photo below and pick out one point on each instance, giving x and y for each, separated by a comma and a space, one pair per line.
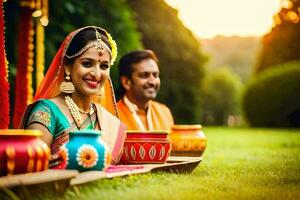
143, 147
187, 140
22, 151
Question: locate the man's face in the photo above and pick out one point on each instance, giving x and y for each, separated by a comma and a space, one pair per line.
144, 83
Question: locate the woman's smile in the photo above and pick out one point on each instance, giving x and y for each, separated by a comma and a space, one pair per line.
89, 71
91, 84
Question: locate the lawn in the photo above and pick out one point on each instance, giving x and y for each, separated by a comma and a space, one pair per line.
238, 164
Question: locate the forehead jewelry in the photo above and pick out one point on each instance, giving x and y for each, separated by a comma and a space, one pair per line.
98, 44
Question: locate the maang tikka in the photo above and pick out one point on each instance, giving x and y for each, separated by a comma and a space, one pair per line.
67, 86
99, 44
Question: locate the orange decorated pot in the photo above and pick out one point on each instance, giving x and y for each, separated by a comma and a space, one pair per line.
187, 140
146, 147
22, 151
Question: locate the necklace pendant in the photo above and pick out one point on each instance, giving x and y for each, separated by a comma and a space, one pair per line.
74, 110
91, 110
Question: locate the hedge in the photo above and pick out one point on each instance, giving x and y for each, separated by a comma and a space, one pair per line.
272, 98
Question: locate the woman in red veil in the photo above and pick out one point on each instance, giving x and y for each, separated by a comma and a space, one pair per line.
77, 93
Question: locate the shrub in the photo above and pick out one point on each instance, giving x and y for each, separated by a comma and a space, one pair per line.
272, 99
221, 90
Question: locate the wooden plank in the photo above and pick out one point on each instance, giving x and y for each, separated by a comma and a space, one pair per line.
178, 165
173, 165
183, 158
37, 178
121, 170
89, 176
128, 172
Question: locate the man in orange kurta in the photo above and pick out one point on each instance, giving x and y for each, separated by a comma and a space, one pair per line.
140, 83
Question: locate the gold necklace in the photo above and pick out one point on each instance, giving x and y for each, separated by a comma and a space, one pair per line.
75, 111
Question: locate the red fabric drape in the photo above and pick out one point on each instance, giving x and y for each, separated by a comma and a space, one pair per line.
21, 77
4, 85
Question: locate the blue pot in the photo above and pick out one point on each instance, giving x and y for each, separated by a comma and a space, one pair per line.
85, 151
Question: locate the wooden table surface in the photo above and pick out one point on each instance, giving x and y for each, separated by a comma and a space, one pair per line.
37, 177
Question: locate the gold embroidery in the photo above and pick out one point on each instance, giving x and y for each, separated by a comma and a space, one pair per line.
41, 116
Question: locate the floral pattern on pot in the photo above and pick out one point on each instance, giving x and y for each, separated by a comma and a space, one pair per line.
64, 154
188, 140
152, 146
146, 152
85, 151
87, 156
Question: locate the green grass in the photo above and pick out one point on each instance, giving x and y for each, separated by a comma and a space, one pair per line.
238, 164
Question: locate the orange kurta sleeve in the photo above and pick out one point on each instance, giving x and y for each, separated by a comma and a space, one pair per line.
161, 116
126, 116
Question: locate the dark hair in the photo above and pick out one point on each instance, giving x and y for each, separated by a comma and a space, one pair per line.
81, 39
133, 57
127, 61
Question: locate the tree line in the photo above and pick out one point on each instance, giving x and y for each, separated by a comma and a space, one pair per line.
136, 24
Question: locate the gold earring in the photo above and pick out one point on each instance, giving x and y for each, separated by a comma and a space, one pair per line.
100, 96
67, 86
101, 93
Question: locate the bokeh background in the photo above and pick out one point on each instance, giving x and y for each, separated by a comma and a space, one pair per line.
229, 78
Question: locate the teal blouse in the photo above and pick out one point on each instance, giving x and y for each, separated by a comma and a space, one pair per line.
49, 114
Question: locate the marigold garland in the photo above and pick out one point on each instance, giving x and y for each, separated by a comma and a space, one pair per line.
40, 54
114, 48
30, 63
21, 92
4, 85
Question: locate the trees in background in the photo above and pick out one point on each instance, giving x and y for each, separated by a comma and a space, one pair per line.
66, 16
282, 44
158, 28
221, 90
272, 98
113, 15
238, 53
181, 59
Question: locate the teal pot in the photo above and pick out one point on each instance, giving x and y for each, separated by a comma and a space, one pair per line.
85, 151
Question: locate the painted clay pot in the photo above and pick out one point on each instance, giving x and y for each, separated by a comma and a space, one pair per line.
187, 140
142, 147
85, 151
22, 151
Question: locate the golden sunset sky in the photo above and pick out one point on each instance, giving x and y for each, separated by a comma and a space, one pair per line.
208, 18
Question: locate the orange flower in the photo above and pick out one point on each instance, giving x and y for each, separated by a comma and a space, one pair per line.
64, 155
87, 156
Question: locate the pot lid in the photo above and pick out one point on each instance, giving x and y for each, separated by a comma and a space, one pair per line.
148, 132
86, 131
187, 126
20, 132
